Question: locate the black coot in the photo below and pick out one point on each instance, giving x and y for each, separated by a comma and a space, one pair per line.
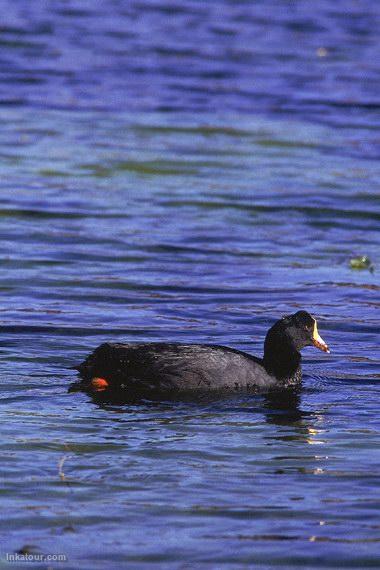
154, 370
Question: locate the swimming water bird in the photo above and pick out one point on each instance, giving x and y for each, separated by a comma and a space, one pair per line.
159, 370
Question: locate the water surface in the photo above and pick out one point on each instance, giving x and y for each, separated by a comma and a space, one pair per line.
189, 171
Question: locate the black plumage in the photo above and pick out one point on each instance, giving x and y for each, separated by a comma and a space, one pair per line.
153, 370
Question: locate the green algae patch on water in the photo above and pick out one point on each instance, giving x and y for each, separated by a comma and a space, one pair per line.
362, 262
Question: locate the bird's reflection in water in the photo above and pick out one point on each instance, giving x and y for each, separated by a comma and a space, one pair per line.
281, 407
288, 423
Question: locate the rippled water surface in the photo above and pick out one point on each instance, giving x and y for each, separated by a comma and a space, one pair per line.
189, 171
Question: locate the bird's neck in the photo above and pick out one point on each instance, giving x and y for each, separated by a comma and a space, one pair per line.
282, 360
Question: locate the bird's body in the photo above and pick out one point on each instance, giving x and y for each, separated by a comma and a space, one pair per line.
154, 370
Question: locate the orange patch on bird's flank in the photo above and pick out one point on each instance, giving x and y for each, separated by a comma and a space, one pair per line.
99, 384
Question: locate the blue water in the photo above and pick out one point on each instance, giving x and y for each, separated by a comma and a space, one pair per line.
189, 171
